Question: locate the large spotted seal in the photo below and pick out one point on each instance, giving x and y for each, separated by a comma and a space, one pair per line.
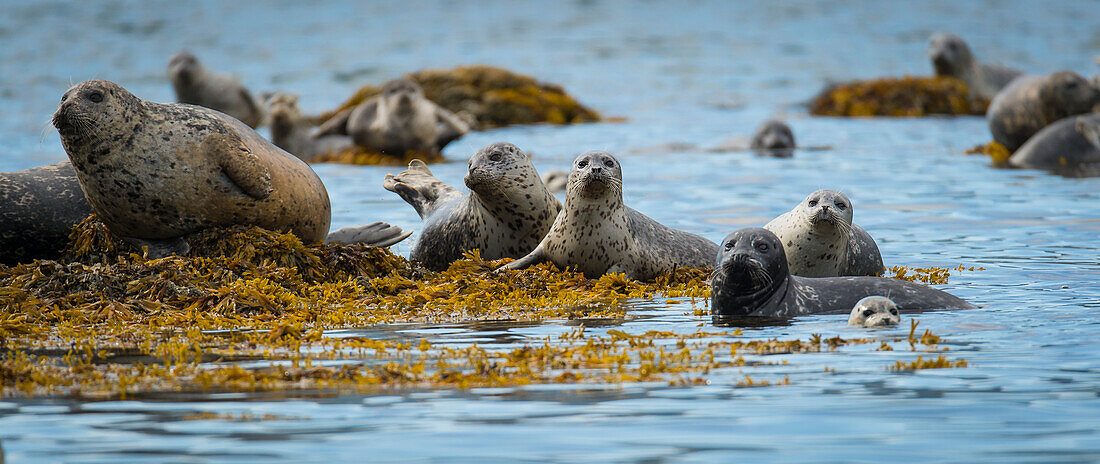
38, 209
398, 120
291, 131
196, 85
154, 172
874, 311
751, 279
952, 57
773, 138
821, 241
1033, 102
1069, 147
596, 233
505, 215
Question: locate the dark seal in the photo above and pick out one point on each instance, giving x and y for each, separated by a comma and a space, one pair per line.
38, 209
751, 279
1033, 102
1070, 147
773, 138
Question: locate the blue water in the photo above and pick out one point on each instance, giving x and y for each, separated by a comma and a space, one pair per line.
698, 72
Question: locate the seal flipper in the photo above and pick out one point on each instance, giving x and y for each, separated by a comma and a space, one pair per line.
253, 107
242, 167
336, 125
419, 188
378, 234
535, 257
453, 127
155, 249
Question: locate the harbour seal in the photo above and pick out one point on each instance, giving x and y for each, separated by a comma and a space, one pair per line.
154, 172
38, 209
396, 121
951, 57
1069, 147
821, 241
196, 85
1031, 103
874, 311
556, 180
290, 130
596, 233
751, 279
773, 138
505, 215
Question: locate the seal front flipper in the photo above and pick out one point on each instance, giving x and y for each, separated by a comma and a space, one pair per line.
242, 167
378, 234
533, 258
336, 125
452, 127
155, 249
419, 188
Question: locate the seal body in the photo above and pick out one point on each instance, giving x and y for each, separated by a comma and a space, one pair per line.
752, 279
951, 57
773, 138
821, 241
875, 311
154, 172
291, 131
597, 234
196, 85
505, 215
1070, 147
1031, 103
397, 121
556, 180
38, 209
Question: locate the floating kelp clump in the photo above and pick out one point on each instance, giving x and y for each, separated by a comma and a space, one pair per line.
928, 275
495, 97
899, 97
996, 152
362, 156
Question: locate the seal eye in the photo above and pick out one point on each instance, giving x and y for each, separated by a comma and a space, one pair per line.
813, 202
762, 246
729, 245
64, 97
894, 311
867, 313
841, 205
495, 157
608, 163
582, 163
95, 97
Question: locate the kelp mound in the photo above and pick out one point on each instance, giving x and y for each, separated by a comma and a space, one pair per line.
997, 153
907, 96
495, 97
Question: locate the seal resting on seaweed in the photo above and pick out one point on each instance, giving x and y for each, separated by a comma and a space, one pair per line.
397, 121
951, 57
38, 209
596, 233
751, 279
875, 311
1069, 147
154, 172
291, 131
821, 241
505, 215
1033, 102
196, 85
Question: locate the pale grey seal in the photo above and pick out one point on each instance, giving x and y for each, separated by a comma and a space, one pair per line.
1070, 147
556, 179
821, 240
773, 138
196, 85
38, 209
397, 121
952, 57
751, 279
291, 131
597, 234
505, 215
1033, 102
154, 172
875, 311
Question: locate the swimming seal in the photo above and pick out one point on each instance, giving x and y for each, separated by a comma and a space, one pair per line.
821, 241
291, 131
505, 215
396, 121
952, 57
773, 138
38, 209
596, 233
751, 279
874, 311
154, 172
196, 85
1069, 147
1031, 103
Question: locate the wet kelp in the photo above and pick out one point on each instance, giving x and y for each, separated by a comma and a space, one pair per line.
898, 97
997, 153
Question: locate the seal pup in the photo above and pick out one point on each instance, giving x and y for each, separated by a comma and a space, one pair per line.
752, 279
196, 85
874, 311
396, 121
1031, 103
291, 131
154, 172
1069, 147
38, 209
596, 233
773, 138
951, 57
821, 241
506, 213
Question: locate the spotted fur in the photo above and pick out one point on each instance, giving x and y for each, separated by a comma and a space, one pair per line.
38, 209
821, 241
874, 311
196, 85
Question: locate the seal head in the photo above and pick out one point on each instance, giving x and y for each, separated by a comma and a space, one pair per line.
875, 311
773, 138
950, 55
97, 112
751, 270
